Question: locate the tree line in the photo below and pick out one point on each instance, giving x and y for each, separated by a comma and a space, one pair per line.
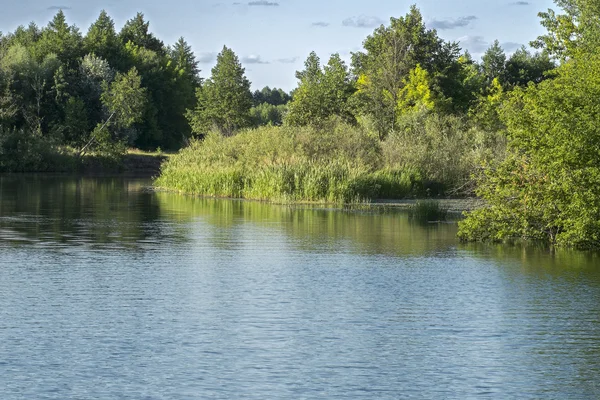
404, 67
98, 92
108, 87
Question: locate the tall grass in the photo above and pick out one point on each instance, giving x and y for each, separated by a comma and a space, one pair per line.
341, 164
428, 211
336, 163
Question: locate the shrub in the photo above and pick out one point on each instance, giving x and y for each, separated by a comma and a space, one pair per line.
24, 150
443, 148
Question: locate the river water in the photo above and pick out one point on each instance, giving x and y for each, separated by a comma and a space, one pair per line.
111, 291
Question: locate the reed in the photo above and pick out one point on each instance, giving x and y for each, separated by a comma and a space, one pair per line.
342, 164
428, 211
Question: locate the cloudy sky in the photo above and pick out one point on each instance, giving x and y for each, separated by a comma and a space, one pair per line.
274, 37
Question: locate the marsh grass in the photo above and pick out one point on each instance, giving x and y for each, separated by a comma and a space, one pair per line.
338, 164
428, 211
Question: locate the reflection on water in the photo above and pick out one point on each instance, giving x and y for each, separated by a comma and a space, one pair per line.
109, 290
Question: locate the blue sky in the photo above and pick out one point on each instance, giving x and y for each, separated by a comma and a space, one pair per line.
274, 37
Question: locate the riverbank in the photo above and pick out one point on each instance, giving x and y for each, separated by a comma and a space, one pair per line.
135, 162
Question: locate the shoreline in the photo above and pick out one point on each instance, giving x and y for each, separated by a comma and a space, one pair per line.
452, 205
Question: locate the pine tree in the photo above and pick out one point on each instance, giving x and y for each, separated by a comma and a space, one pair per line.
224, 100
102, 40
185, 60
61, 39
494, 62
136, 30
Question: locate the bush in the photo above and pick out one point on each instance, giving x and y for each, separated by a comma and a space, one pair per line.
445, 149
548, 187
27, 151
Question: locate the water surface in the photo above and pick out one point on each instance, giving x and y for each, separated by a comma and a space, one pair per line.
109, 290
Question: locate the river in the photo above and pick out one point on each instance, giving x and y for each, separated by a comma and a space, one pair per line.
109, 290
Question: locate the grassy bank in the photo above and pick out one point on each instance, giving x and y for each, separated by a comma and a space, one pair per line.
334, 164
65, 160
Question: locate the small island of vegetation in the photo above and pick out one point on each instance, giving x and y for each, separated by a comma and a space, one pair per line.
412, 115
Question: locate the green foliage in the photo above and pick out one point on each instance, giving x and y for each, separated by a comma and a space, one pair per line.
267, 114
416, 93
275, 97
102, 41
185, 62
547, 188
445, 150
485, 112
390, 53
76, 124
46, 73
224, 100
322, 92
523, 67
60, 39
136, 31
26, 151
494, 62
563, 29
337, 164
428, 211
125, 99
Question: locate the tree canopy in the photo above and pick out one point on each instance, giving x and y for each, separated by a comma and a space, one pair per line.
224, 100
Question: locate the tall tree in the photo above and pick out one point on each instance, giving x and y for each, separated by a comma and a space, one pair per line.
102, 40
61, 39
224, 100
27, 37
522, 67
494, 62
274, 97
136, 30
548, 188
124, 102
390, 53
321, 93
185, 60
567, 33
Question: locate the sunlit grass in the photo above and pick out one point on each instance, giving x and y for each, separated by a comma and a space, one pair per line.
342, 164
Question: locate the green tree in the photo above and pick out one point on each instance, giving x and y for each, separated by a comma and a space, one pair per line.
322, 92
267, 114
26, 37
124, 101
224, 100
101, 40
185, 61
273, 96
76, 123
494, 62
60, 39
136, 31
485, 113
390, 53
575, 30
30, 87
416, 93
523, 67
124, 98
548, 188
